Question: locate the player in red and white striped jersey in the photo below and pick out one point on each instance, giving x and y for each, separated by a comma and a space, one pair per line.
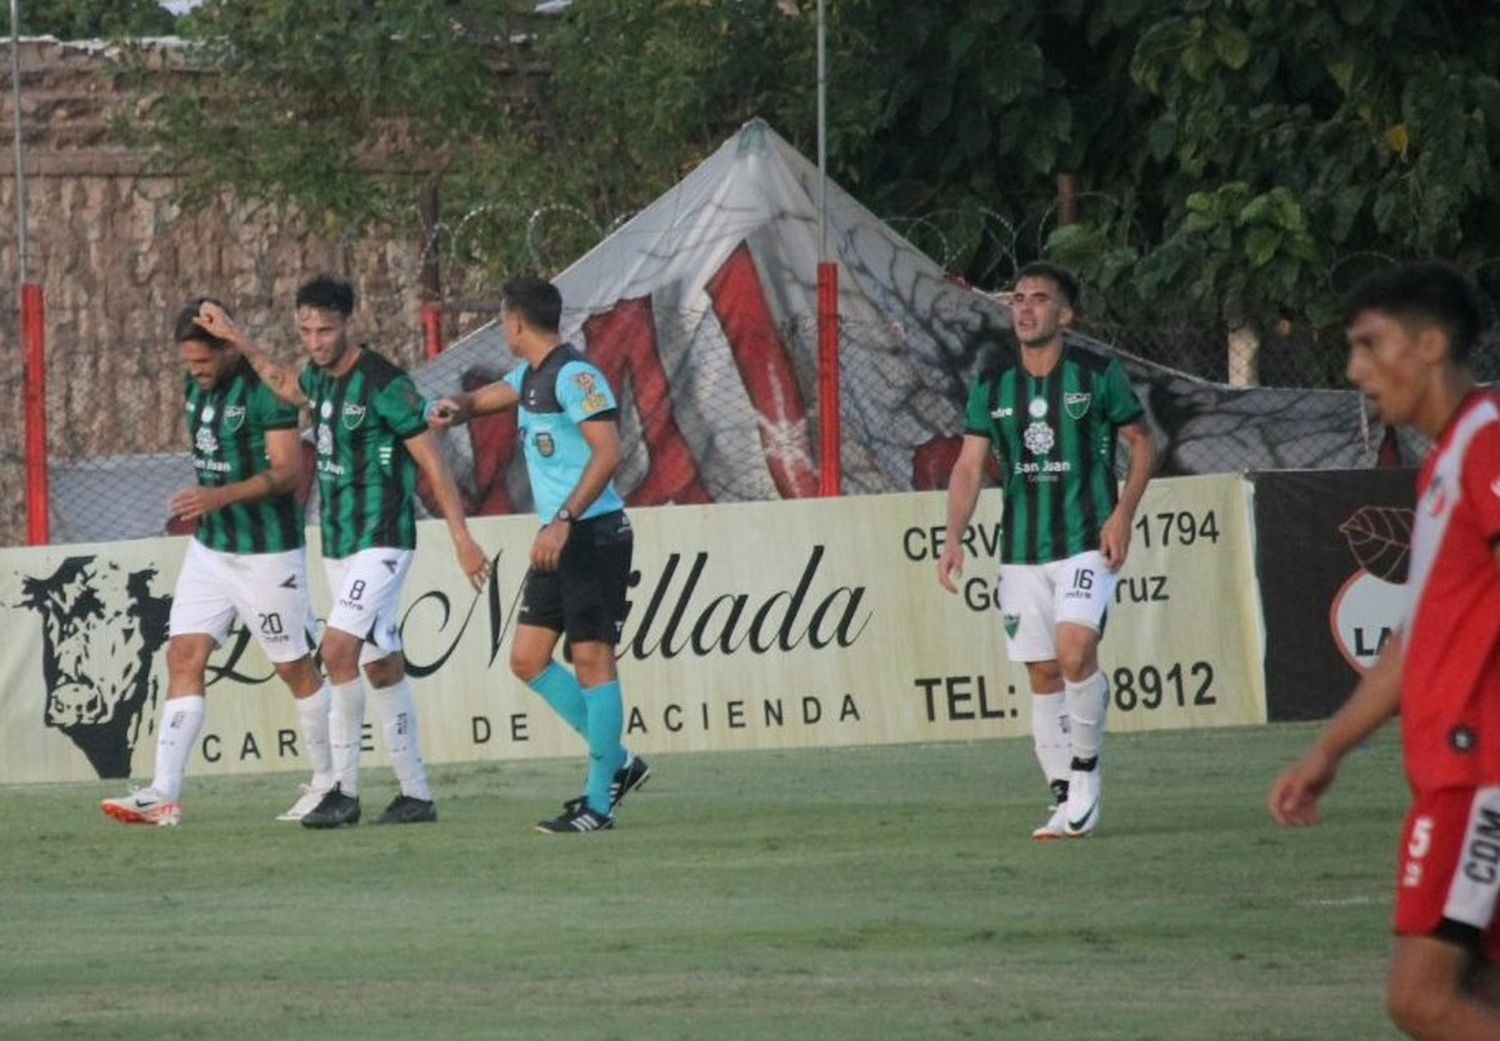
1410, 332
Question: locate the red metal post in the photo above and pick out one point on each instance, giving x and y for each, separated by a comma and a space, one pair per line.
830, 419
34, 341
432, 325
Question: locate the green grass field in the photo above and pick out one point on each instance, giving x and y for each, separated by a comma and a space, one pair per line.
859, 893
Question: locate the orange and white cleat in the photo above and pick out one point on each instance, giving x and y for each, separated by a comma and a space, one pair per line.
143, 806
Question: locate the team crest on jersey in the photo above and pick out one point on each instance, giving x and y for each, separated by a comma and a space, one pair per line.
1012, 623
354, 415
234, 417
545, 445
593, 397
1038, 438
1076, 405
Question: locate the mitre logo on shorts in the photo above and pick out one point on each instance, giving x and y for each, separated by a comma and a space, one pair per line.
354, 415
234, 417
1076, 405
1012, 623
545, 445
1039, 438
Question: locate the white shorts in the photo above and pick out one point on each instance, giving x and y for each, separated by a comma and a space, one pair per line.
1035, 597
266, 591
366, 588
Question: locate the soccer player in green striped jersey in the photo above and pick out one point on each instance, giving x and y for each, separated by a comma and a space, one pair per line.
1052, 413
371, 438
246, 561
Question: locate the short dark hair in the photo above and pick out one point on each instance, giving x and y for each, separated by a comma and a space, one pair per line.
1428, 293
537, 301
1061, 276
185, 329
327, 293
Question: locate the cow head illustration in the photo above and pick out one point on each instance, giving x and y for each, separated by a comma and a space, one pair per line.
101, 628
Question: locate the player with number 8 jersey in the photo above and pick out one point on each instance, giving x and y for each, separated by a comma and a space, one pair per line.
366, 477
371, 438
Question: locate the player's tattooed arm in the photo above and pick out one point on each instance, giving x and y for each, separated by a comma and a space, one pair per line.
281, 378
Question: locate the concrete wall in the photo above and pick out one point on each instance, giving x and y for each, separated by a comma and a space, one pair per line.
117, 257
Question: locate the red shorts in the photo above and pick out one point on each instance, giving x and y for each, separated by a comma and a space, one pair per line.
1449, 885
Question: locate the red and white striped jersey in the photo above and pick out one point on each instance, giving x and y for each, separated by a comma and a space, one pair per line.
1450, 689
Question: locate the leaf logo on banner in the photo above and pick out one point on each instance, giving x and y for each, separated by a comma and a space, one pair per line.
1380, 539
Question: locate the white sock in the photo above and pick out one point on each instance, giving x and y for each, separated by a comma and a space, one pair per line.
1087, 702
346, 724
176, 734
1049, 735
398, 722
312, 715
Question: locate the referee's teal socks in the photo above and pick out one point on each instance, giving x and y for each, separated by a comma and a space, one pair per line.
606, 721
559, 688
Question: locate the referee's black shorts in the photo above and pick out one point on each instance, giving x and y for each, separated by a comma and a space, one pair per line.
585, 597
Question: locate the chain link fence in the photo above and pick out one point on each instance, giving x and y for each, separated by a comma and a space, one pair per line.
714, 408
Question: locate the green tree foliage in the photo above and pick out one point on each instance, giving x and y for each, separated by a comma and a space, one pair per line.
345, 108
1235, 159
93, 19
1299, 141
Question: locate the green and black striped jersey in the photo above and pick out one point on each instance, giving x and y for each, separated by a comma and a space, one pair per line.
228, 426
367, 480
1055, 439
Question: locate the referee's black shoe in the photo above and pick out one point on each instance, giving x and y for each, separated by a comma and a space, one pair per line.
634, 774
407, 809
336, 810
576, 822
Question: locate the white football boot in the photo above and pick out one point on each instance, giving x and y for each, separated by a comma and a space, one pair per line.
143, 806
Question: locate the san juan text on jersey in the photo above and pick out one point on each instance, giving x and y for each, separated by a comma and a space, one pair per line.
228, 425
367, 479
556, 397
1055, 438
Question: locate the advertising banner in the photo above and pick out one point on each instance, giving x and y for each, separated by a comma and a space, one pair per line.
1331, 555
815, 622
